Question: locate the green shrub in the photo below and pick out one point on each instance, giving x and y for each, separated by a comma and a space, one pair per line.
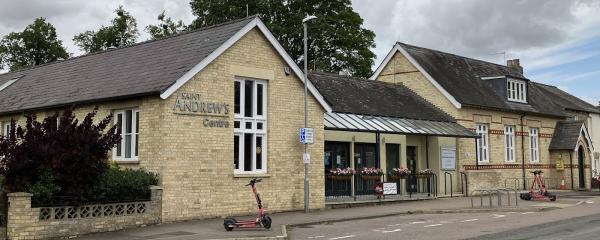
45, 188
123, 185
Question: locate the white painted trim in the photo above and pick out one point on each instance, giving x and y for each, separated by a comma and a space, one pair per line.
398, 48
236, 37
587, 138
8, 83
493, 77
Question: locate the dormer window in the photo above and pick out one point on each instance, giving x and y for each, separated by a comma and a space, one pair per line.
516, 90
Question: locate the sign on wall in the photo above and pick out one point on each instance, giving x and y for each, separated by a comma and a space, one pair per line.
188, 103
448, 156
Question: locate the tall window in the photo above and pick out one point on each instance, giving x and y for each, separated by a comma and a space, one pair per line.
250, 126
516, 90
127, 121
534, 145
509, 143
6, 128
482, 143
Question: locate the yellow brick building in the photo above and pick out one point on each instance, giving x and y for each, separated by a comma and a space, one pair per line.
525, 125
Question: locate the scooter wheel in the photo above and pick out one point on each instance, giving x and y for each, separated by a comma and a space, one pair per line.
266, 222
525, 196
552, 197
228, 224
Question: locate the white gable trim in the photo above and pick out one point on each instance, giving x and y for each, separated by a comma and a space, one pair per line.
586, 135
236, 37
398, 48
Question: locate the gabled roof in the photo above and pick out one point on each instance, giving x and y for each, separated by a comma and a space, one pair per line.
156, 67
566, 135
361, 96
462, 81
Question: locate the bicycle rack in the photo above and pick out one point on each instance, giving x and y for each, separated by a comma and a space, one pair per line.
445, 186
465, 190
508, 190
482, 192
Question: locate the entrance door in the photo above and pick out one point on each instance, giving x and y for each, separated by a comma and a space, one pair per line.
411, 162
581, 166
392, 156
364, 156
337, 155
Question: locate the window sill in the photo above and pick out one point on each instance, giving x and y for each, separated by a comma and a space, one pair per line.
251, 175
129, 161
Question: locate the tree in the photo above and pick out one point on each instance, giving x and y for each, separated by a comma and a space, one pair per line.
166, 27
50, 156
36, 44
122, 32
337, 40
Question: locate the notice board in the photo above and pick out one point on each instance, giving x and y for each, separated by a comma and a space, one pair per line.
448, 156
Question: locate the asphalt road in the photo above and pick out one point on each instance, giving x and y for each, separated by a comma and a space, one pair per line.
579, 221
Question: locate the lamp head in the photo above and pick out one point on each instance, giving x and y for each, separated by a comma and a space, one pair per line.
308, 18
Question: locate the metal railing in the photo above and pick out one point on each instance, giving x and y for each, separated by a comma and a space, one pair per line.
355, 188
464, 184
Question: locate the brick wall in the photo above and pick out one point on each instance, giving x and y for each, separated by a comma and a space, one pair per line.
25, 222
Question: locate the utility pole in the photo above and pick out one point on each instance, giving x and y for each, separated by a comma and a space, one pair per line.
306, 183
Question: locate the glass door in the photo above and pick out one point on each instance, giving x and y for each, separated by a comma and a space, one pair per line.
392, 160
411, 161
365, 156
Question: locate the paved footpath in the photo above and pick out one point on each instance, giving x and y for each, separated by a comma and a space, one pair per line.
213, 228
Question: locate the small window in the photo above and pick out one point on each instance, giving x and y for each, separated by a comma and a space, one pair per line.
516, 90
534, 145
127, 121
482, 143
509, 144
6, 129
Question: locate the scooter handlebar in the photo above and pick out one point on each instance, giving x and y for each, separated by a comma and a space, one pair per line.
253, 181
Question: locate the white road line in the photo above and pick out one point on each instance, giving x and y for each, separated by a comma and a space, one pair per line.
394, 225
445, 221
589, 201
342, 237
498, 216
524, 213
316, 237
469, 220
433, 225
391, 231
416, 222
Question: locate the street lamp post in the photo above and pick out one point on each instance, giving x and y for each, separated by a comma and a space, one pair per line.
306, 184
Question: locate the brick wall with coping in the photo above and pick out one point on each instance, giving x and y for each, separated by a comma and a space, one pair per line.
26, 222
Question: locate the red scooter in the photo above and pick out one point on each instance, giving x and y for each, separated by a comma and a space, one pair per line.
261, 221
537, 191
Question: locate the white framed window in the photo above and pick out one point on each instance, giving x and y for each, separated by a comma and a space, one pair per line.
250, 126
127, 121
516, 90
509, 143
5, 128
482, 143
534, 145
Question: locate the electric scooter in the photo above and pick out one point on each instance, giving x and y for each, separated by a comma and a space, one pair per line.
262, 220
537, 191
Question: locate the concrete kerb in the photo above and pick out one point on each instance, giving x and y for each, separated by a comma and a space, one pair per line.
285, 228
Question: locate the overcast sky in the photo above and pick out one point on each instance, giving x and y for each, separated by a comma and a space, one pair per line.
558, 41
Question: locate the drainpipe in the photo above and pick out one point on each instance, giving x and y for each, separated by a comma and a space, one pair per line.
378, 149
523, 151
476, 155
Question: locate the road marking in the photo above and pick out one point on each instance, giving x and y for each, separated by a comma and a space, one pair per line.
342, 237
433, 225
316, 237
525, 213
589, 201
394, 225
391, 231
498, 216
470, 220
416, 222
445, 221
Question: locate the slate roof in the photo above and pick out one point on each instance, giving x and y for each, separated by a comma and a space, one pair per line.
146, 68
461, 77
375, 98
566, 135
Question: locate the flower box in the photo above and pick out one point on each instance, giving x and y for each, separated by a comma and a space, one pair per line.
370, 177
339, 177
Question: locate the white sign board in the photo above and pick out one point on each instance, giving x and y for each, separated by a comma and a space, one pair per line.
389, 188
307, 135
448, 156
306, 157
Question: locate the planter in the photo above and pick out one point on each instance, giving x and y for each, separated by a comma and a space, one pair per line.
398, 177
339, 177
370, 177
423, 175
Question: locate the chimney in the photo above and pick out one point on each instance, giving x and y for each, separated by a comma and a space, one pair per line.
514, 64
